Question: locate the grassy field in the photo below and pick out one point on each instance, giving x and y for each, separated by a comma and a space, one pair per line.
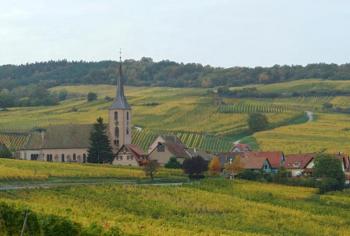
305, 85
210, 207
35, 170
329, 132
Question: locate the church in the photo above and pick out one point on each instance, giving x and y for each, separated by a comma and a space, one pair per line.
70, 143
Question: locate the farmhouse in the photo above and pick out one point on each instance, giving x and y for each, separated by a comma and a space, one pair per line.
130, 155
69, 143
276, 158
299, 164
257, 164
167, 146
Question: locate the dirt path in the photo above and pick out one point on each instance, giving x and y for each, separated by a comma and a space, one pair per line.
56, 185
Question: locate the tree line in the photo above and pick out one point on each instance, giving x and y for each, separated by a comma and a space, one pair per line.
146, 72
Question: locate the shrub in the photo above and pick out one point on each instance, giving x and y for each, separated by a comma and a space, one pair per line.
250, 175
195, 167
173, 164
328, 170
257, 122
215, 166
57, 226
327, 185
5, 152
91, 97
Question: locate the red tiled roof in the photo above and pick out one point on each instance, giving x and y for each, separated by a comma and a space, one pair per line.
298, 161
242, 145
135, 149
273, 157
344, 159
255, 163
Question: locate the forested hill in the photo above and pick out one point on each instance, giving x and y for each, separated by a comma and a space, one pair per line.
145, 72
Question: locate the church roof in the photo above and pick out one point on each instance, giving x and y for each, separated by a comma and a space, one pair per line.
60, 137
120, 101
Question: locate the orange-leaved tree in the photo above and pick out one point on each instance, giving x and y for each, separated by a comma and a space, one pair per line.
215, 166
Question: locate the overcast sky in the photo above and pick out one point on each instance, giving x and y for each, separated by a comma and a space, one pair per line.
217, 32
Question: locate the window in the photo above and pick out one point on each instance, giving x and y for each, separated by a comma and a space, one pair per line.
74, 157
62, 157
84, 158
34, 157
49, 157
160, 147
116, 116
116, 132
127, 115
116, 142
127, 130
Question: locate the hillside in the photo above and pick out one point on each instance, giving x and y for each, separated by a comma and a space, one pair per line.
146, 72
189, 113
199, 118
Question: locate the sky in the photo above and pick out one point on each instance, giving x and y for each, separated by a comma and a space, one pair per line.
221, 33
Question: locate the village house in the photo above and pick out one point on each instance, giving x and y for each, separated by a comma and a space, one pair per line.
166, 147
275, 158
299, 164
241, 147
256, 164
130, 155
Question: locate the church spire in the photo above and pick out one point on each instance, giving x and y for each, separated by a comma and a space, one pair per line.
120, 101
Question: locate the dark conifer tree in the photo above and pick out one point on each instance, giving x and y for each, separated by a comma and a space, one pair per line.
100, 150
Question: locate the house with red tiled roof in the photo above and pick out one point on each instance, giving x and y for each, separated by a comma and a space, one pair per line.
241, 147
299, 164
275, 158
256, 163
130, 155
166, 147
345, 161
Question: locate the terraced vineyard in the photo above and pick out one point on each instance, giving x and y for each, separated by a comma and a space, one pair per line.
13, 141
145, 137
250, 108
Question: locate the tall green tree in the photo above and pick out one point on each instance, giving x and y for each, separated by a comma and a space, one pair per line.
257, 122
4, 151
195, 167
100, 150
329, 171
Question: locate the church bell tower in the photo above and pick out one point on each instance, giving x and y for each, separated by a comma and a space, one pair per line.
119, 116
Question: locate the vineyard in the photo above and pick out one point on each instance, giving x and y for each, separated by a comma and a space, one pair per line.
144, 138
250, 108
208, 207
328, 132
13, 141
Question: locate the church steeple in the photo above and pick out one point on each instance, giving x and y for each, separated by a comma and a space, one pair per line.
120, 101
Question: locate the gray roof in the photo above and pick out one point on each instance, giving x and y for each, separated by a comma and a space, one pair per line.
120, 101
60, 137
